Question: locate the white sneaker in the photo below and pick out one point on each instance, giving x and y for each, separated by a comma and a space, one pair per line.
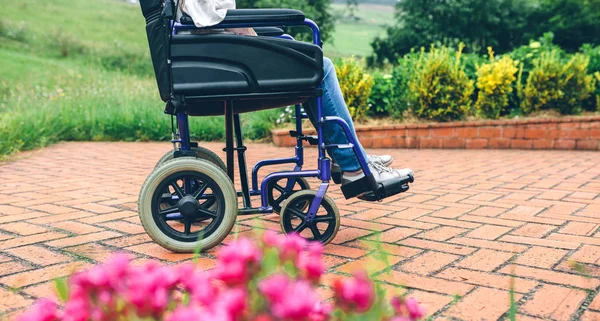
385, 160
380, 172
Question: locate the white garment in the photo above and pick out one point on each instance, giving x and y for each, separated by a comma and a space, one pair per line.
205, 13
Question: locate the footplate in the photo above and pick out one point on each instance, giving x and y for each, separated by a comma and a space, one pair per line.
367, 189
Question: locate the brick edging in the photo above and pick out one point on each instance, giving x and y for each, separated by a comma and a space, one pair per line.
570, 133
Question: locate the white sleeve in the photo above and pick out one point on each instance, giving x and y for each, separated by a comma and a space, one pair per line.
207, 12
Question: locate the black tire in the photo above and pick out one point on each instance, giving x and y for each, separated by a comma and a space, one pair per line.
328, 214
161, 218
201, 153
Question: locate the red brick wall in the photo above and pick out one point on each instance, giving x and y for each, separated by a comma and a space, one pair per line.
581, 133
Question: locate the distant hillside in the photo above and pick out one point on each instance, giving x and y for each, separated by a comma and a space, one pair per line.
387, 2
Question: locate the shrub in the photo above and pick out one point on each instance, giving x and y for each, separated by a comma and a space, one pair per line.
593, 103
439, 87
276, 279
559, 85
356, 86
380, 98
494, 82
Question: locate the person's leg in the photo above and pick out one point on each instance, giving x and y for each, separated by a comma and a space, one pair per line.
334, 105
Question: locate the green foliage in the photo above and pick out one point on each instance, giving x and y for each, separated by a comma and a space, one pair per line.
494, 81
439, 87
557, 84
573, 22
380, 98
593, 103
501, 24
356, 86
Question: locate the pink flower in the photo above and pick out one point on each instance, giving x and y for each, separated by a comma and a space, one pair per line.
291, 246
398, 304
401, 319
296, 303
273, 286
356, 293
233, 302
238, 262
415, 310
77, 308
186, 313
272, 239
311, 266
42, 310
321, 312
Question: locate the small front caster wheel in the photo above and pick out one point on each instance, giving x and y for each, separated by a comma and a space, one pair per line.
324, 226
187, 203
277, 192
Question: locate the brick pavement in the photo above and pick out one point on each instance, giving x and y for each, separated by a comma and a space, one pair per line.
471, 220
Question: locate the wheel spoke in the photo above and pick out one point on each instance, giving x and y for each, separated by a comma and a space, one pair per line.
300, 227
323, 219
178, 190
279, 188
210, 201
315, 231
204, 213
200, 191
297, 213
187, 225
171, 210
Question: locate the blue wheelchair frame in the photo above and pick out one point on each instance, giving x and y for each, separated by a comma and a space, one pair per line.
232, 123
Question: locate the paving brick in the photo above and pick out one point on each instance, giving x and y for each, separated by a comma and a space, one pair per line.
539, 242
39, 255
31, 239
345, 251
492, 245
551, 276
438, 246
587, 254
488, 232
482, 304
22, 228
533, 230
82, 239
428, 262
11, 300
350, 234
406, 223
554, 302
395, 234
443, 233
595, 304
124, 227
590, 316
75, 227
12, 267
369, 263
488, 211
487, 280
154, 250
42, 275
579, 228
431, 302
541, 257
485, 260
447, 222
96, 252
430, 284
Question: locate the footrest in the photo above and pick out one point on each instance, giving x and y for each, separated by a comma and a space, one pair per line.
359, 187
388, 188
312, 140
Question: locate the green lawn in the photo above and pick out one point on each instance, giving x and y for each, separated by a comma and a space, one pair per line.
80, 70
354, 37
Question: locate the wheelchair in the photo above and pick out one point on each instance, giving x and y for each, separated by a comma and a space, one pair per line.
189, 200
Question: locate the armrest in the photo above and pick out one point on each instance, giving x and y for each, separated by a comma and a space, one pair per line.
243, 16
268, 31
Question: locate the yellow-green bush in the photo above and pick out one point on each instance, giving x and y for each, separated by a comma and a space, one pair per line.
559, 85
494, 81
439, 87
356, 86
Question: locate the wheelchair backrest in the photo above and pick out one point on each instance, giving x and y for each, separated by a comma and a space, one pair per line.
157, 30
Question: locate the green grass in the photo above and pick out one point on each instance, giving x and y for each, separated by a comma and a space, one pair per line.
353, 37
80, 70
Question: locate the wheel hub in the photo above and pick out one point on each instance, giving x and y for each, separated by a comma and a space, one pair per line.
188, 206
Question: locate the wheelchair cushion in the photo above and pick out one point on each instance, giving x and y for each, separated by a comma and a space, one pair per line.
256, 16
207, 65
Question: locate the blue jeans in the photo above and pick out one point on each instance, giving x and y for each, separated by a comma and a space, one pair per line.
334, 105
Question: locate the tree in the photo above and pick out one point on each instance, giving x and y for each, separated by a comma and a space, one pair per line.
573, 22
317, 10
501, 24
